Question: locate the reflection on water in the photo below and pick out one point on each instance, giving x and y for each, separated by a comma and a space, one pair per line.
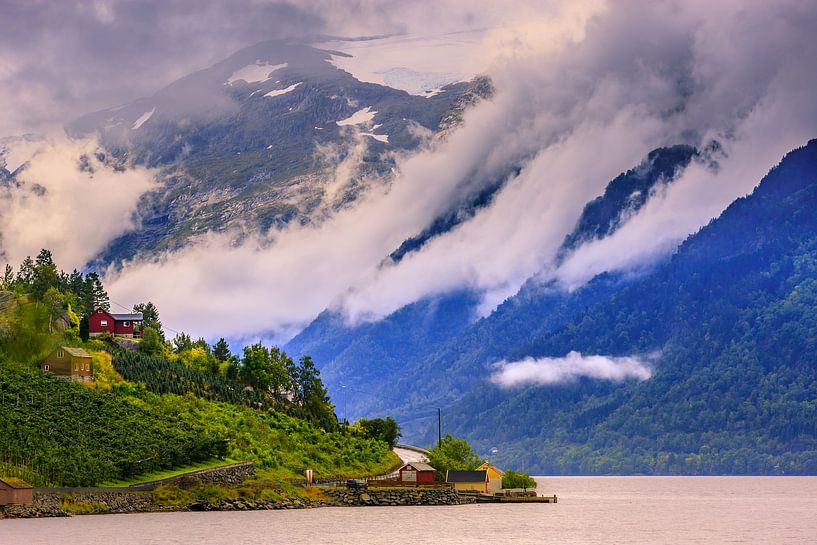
603, 510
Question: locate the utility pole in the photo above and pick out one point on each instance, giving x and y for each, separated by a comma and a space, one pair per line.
439, 426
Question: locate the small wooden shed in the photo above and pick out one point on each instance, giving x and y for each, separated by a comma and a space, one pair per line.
468, 481
416, 472
72, 363
13, 490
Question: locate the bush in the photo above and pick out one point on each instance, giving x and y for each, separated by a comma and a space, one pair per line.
513, 479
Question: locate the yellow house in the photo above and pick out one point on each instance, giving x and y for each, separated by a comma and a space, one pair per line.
468, 481
494, 476
70, 363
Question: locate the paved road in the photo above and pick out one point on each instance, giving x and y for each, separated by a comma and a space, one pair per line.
410, 455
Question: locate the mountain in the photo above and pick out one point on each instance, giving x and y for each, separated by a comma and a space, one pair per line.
626, 195
732, 317
441, 342
254, 141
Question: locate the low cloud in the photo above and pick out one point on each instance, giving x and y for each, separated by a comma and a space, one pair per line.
549, 371
584, 92
70, 201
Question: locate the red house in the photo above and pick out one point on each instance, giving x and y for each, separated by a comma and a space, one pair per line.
119, 325
416, 472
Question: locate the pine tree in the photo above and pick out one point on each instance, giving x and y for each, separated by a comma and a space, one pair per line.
26, 273
150, 317
8, 278
84, 329
221, 350
96, 292
45, 275
181, 342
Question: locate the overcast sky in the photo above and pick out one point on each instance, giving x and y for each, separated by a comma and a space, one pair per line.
585, 89
60, 59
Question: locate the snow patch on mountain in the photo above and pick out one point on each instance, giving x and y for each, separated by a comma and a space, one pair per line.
255, 73
413, 82
279, 92
15, 151
379, 137
419, 65
143, 119
359, 117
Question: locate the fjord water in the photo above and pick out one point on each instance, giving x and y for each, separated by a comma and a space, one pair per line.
591, 510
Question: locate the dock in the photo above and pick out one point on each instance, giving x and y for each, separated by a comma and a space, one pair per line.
508, 498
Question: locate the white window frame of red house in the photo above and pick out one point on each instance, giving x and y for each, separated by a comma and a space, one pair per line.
126, 323
103, 323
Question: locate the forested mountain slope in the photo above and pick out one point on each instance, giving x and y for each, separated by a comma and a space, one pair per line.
379, 364
733, 318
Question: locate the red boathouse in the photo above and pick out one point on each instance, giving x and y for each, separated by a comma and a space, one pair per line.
119, 325
416, 472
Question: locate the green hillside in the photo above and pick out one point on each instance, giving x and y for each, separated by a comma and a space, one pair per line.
183, 402
74, 435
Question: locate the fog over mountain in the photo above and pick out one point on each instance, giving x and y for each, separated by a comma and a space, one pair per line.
582, 92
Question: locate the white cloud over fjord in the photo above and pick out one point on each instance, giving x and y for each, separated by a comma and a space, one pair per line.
572, 367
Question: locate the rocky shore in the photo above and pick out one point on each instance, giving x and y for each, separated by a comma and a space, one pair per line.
398, 496
64, 504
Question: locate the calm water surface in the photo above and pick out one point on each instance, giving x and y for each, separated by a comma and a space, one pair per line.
604, 510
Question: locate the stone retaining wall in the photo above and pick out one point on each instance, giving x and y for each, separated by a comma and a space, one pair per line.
399, 496
51, 504
232, 475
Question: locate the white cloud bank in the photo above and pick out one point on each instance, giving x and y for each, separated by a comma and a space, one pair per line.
72, 211
584, 92
548, 371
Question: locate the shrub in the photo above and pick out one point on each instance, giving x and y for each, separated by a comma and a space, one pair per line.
513, 479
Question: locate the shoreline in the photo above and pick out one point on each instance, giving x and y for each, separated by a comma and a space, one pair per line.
107, 501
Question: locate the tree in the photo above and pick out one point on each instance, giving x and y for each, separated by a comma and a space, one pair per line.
26, 273
221, 350
382, 429
306, 379
44, 275
150, 316
84, 329
7, 283
55, 303
309, 392
233, 370
453, 454
255, 367
74, 284
182, 342
152, 343
95, 292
